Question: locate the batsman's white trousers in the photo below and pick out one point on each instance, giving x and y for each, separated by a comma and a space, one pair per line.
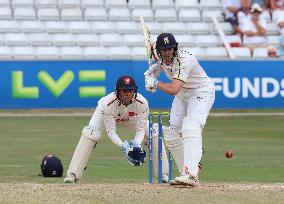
193, 103
189, 113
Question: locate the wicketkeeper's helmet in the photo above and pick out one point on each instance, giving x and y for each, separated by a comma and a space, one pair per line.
51, 166
126, 82
166, 41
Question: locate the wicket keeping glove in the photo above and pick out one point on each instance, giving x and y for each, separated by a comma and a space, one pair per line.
125, 147
133, 153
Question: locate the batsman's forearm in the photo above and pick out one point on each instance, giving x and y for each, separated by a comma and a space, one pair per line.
167, 87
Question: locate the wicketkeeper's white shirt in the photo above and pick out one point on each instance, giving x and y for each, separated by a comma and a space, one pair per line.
133, 116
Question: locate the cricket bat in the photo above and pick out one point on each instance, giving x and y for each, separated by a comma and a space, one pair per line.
150, 51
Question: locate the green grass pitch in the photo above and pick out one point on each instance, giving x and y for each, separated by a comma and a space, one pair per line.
257, 141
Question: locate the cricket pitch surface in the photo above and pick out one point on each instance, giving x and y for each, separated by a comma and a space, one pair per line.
141, 193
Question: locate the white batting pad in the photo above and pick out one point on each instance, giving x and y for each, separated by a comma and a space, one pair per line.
82, 154
192, 143
174, 144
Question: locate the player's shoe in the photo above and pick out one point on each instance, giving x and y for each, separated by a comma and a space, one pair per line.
70, 179
186, 180
174, 182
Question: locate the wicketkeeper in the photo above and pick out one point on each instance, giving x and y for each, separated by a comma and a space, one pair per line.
123, 107
194, 96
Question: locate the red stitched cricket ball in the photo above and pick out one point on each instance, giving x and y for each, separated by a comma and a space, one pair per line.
229, 153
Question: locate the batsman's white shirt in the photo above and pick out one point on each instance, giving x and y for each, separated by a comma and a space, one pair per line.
110, 112
197, 94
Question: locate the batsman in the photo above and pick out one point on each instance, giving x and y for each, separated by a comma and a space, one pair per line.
194, 96
123, 107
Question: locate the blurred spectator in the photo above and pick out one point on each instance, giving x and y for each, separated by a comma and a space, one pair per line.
243, 13
262, 3
231, 7
272, 52
281, 48
280, 22
254, 28
276, 4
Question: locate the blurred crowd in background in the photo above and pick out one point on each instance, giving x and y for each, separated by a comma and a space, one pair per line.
249, 20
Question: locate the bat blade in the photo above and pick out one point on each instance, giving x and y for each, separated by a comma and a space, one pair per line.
147, 40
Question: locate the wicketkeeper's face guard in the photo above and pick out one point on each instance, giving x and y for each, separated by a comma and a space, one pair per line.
126, 96
126, 89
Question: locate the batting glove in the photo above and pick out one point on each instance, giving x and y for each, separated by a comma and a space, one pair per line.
156, 83
150, 89
150, 83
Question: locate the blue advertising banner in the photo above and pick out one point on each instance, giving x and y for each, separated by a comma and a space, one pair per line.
247, 84
80, 84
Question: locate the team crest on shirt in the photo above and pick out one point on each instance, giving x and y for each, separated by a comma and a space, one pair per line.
131, 114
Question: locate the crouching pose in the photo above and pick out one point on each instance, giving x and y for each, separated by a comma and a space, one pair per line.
123, 107
194, 96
